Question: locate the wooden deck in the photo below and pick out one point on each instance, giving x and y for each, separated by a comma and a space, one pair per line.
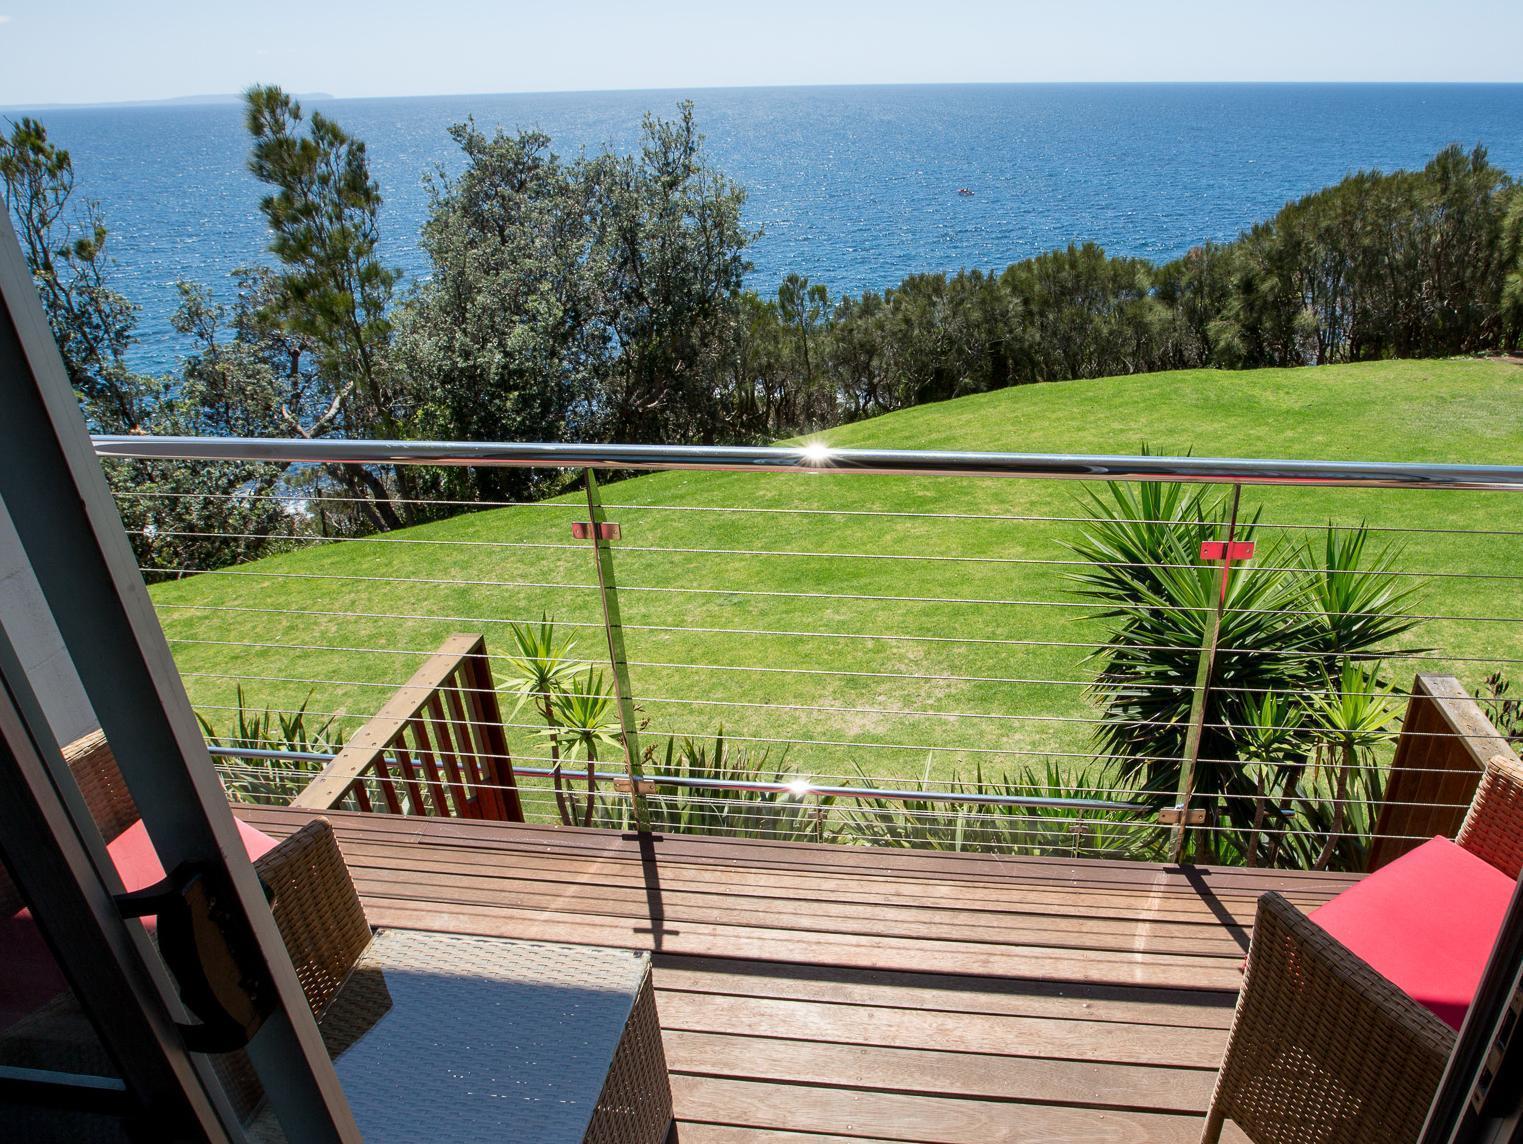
820, 994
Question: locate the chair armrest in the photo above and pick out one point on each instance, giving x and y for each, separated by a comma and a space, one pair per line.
316, 909
1493, 827
1323, 1047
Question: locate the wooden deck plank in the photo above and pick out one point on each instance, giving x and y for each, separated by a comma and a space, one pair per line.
919, 1119
916, 992
1167, 900
946, 869
815, 994
953, 1032
834, 861
1175, 971
746, 886
1010, 927
690, 1133
922, 894
983, 1076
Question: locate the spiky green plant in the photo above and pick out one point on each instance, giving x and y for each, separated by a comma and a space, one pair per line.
1274, 745
697, 808
1502, 707
273, 781
586, 719
1352, 717
1291, 620
540, 671
1008, 827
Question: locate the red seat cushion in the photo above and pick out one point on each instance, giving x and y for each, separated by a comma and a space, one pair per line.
29, 977
138, 863
1426, 923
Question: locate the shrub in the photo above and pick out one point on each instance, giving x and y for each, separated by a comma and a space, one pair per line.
273, 781
1004, 828
1300, 632
735, 813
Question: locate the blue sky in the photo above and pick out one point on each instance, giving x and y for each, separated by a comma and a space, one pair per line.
68, 51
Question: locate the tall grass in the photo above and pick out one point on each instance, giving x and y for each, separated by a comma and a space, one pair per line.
1004, 828
272, 781
734, 813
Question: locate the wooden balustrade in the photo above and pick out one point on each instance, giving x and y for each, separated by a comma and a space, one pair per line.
437, 747
1445, 743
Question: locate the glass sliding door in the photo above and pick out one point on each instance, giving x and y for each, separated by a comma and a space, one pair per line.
195, 1014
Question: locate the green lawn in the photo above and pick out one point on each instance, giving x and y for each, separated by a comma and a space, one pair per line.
1459, 411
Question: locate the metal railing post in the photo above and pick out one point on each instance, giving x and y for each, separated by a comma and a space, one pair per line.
601, 533
1183, 815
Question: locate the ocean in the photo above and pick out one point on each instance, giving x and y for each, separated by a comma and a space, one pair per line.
854, 187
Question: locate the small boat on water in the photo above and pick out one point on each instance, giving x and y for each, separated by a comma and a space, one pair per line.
965, 192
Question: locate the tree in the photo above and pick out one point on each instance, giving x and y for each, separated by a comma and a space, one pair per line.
188, 516
782, 383
1197, 290
804, 309
670, 246
1512, 269
180, 517
859, 357
1088, 314
504, 339
65, 244
334, 290
599, 297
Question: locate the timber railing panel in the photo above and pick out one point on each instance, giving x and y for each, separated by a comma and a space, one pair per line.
436, 747
1446, 741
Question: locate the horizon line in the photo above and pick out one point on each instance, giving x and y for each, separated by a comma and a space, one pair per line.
218, 98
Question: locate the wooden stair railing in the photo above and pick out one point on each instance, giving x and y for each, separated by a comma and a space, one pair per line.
1445, 743
437, 747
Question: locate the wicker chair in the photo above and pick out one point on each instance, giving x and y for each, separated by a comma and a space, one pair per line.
315, 905
106, 797
1323, 1049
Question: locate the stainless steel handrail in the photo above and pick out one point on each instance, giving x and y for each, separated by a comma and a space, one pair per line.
818, 458
801, 788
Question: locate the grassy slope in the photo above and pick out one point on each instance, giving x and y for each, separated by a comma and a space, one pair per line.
1418, 411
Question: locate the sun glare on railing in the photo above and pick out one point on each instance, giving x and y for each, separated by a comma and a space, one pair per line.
817, 453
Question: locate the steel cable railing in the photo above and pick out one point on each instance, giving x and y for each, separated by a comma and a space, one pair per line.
852, 645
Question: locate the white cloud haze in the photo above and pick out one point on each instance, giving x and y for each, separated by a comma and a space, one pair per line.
153, 49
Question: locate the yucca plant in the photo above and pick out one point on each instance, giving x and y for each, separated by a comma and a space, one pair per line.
586, 719
1074, 830
540, 670
1274, 744
912, 823
1352, 717
1291, 620
273, 781
1502, 707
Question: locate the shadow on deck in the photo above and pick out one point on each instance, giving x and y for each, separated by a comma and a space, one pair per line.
811, 994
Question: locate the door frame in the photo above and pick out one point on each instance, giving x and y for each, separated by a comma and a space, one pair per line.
56, 493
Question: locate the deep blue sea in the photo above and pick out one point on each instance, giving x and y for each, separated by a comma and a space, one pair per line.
854, 187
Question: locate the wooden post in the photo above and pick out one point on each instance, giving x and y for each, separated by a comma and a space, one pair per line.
1445, 743
458, 669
